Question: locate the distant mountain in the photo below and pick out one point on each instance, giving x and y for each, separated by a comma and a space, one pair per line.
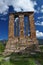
3, 42
40, 41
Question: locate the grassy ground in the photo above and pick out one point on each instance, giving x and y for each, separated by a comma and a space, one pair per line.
29, 61
1, 47
40, 59
41, 47
22, 59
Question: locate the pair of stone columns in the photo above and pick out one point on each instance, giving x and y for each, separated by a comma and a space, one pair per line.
21, 18
11, 25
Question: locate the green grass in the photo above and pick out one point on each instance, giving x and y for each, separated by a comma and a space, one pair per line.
1, 58
6, 63
1, 47
38, 57
30, 60
40, 60
23, 59
3, 62
41, 47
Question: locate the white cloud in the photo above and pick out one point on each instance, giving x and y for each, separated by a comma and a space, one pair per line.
25, 5
39, 9
3, 7
42, 6
36, 11
42, 10
39, 23
3, 19
5, 12
39, 34
40, 17
35, 3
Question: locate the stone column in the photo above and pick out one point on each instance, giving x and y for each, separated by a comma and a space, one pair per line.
33, 32
21, 17
32, 27
11, 26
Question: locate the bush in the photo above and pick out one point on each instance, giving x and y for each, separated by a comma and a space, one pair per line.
1, 47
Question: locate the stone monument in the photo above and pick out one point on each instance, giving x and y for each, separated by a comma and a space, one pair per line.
19, 43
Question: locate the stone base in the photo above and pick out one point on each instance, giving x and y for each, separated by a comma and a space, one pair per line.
15, 45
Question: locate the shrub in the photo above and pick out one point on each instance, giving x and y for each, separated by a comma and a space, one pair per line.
1, 47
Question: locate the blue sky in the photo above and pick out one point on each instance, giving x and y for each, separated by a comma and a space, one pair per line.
4, 16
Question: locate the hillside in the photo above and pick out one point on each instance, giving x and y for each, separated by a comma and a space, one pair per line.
40, 41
